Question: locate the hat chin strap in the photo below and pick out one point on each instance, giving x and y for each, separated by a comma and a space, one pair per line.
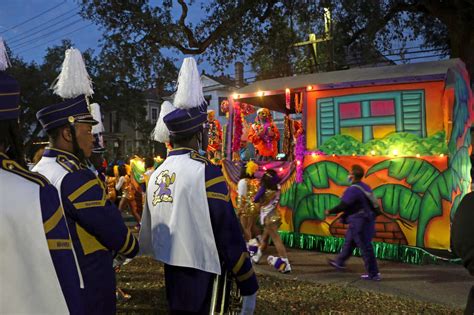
76, 150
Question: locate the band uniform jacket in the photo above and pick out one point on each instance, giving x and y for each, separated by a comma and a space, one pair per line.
96, 226
190, 289
33, 279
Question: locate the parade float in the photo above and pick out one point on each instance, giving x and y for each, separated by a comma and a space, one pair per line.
407, 125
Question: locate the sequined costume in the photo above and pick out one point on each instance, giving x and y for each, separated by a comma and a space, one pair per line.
268, 211
245, 204
111, 192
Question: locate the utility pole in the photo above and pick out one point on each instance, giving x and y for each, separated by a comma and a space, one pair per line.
326, 36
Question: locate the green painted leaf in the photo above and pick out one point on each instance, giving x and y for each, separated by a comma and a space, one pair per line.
320, 173
292, 196
312, 208
431, 204
398, 199
418, 173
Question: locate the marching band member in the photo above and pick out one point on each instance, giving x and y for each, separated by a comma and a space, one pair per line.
189, 223
38, 271
95, 224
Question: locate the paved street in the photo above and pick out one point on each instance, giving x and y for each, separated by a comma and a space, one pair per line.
443, 284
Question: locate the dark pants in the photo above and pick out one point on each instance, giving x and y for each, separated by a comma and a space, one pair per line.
360, 233
470, 303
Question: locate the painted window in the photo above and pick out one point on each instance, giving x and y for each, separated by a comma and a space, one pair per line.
367, 116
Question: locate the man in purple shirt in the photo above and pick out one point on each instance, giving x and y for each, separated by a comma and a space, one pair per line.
357, 212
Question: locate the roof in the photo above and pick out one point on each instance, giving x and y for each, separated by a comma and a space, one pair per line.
222, 80
274, 89
333, 79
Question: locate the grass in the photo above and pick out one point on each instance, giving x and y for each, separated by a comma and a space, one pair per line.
143, 279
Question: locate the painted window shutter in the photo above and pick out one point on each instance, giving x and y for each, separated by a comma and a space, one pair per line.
413, 116
328, 120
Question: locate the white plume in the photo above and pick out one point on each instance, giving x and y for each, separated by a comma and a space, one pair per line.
4, 62
161, 132
73, 79
189, 93
96, 114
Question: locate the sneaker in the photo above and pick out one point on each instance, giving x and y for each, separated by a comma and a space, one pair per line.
256, 258
336, 265
377, 277
287, 267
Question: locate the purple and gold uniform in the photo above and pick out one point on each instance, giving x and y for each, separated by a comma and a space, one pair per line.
96, 226
190, 289
56, 235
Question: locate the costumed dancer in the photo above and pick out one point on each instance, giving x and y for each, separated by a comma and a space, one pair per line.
248, 210
269, 196
95, 224
264, 135
38, 270
189, 223
214, 136
124, 184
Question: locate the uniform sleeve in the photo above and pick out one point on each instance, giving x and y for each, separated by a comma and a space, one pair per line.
54, 222
227, 233
86, 199
60, 247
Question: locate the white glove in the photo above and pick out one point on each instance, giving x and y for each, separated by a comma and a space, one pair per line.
248, 304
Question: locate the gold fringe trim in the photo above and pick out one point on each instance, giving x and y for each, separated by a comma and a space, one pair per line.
289, 182
232, 185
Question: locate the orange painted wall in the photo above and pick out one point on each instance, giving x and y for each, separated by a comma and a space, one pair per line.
434, 92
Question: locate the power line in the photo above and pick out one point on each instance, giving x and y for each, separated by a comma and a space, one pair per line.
34, 40
52, 40
17, 37
32, 18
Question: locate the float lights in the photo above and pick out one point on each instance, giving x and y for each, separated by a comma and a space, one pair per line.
372, 152
281, 169
441, 155
264, 168
235, 96
418, 155
353, 154
298, 162
333, 155
395, 152
313, 154
261, 93
309, 88
287, 90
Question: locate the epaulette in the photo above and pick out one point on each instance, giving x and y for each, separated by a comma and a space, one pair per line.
14, 167
68, 164
197, 157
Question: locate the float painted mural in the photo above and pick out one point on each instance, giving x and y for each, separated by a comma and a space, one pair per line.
411, 135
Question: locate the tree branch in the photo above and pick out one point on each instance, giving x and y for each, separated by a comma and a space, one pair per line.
198, 47
187, 31
377, 25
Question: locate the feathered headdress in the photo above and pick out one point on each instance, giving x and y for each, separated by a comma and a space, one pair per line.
73, 79
96, 114
4, 62
161, 132
189, 93
251, 168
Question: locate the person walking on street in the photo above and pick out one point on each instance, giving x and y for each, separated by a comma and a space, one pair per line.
356, 205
